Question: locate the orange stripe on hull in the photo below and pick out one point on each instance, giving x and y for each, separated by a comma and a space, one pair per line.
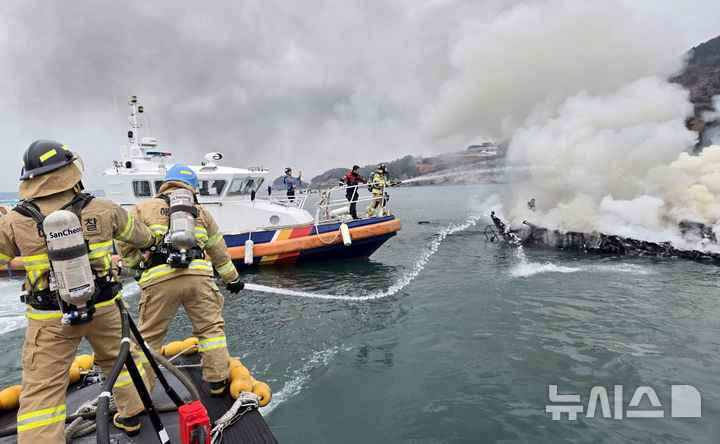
290, 258
16, 265
281, 236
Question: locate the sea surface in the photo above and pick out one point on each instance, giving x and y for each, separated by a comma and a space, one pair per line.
444, 337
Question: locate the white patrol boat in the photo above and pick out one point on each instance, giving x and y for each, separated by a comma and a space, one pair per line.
257, 230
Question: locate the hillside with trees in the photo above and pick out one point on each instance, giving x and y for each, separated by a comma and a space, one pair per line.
410, 166
701, 77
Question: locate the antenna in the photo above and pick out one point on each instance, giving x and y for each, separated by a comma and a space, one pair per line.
117, 110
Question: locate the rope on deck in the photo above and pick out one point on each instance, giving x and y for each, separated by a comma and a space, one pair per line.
81, 426
246, 401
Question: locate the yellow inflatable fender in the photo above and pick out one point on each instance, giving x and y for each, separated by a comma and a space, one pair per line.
10, 397
240, 385
239, 371
74, 373
234, 362
263, 391
174, 348
191, 345
85, 362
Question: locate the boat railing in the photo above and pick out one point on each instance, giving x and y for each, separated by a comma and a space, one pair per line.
334, 204
297, 202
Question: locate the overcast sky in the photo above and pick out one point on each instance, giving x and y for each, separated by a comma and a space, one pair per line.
315, 84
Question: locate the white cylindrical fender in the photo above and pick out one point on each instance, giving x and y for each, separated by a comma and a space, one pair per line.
340, 211
68, 255
345, 234
249, 252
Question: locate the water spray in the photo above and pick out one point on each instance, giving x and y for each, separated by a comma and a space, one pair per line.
401, 283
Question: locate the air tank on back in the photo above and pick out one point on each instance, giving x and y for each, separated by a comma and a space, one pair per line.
182, 223
67, 252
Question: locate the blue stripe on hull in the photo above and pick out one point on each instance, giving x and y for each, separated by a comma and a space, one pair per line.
362, 248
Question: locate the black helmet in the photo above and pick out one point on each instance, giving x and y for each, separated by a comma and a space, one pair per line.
287, 170
44, 156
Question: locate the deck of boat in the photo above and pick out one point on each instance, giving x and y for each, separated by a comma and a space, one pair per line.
250, 429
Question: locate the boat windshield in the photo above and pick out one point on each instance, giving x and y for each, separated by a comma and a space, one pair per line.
141, 188
245, 185
211, 187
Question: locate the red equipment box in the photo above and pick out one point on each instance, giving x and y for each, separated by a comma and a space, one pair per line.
194, 423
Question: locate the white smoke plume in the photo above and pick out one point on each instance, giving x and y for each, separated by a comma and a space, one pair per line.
536, 54
618, 163
600, 147
581, 90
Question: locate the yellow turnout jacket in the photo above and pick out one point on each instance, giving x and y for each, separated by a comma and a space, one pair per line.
153, 213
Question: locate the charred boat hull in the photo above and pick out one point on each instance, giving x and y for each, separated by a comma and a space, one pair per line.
597, 243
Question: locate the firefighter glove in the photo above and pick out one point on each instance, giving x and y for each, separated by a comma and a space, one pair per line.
235, 286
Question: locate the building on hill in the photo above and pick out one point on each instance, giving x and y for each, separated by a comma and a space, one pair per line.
487, 148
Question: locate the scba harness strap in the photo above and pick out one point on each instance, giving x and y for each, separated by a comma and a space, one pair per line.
177, 208
105, 288
28, 208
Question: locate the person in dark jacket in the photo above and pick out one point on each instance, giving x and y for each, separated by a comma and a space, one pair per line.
352, 179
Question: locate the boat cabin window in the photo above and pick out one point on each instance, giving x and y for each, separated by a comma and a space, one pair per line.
211, 187
141, 188
158, 184
245, 185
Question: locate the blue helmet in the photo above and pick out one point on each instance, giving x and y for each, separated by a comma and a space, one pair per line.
183, 174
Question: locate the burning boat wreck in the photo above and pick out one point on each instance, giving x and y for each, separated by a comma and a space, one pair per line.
600, 243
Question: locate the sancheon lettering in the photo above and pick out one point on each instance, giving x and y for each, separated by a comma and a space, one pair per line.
65, 232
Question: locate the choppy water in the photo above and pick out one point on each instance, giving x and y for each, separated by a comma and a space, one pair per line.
444, 337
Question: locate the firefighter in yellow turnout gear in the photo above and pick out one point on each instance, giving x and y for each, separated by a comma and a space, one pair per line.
50, 180
378, 183
168, 281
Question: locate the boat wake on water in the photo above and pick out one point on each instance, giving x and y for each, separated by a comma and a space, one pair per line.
401, 283
300, 377
12, 314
